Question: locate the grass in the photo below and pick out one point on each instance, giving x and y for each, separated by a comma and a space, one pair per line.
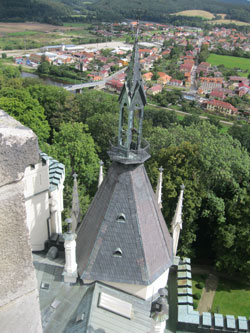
222, 21
180, 118
21, 33
232, 298
229, 61
224, 128
200, 13
196, 278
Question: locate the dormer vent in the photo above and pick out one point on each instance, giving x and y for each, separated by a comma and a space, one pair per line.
121, 218
117, 253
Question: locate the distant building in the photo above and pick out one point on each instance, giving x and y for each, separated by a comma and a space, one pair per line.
154, 90
207, 84
223, 107
203, 68
175, 82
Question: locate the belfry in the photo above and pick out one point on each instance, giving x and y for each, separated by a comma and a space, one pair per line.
123, 240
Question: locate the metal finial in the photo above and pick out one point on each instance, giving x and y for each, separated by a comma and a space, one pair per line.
75, 176
182, 187
69, 222
101, 163
161, 169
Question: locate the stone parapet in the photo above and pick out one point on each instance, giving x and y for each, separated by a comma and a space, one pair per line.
189, 320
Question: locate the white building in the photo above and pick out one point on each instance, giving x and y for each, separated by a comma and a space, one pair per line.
43, 192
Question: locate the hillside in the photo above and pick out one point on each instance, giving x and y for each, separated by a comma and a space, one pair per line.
48, 11
159, 10
57, 11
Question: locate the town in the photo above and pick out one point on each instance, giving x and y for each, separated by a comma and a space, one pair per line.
172, 59
124, 167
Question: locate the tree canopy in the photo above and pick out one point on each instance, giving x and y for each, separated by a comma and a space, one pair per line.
215, 170
213, 166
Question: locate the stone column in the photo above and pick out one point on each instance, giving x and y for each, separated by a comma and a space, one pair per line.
70, 268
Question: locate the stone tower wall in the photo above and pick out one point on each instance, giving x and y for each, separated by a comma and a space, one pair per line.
19, 302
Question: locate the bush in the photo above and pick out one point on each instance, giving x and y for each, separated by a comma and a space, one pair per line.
197, 296
200, 285
195, 305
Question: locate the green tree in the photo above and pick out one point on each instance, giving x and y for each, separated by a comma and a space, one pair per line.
73, 146
20, 105
216, 173
44, 67
241, 133
58, 104
103, 127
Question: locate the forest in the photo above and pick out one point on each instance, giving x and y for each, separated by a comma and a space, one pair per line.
59, 11
213, 165
46, 11
159, 11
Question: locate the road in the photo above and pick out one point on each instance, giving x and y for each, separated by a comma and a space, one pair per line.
99, 46
188, 114
93, 84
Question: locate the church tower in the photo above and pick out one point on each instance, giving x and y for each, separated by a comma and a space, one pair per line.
123, 240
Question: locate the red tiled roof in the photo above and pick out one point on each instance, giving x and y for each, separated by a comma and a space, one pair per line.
222, 104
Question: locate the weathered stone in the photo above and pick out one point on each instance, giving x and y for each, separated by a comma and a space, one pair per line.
18, 149
19, 304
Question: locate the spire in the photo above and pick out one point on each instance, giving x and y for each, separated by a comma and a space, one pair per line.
130, 147
100, 180
159, 188
133, 71
75, 212
177, 221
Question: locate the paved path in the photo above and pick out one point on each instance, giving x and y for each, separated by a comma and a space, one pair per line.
187, 114
207, 296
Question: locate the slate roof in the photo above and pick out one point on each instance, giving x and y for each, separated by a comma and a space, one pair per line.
62, 303
143, 238
97, 319
56, 171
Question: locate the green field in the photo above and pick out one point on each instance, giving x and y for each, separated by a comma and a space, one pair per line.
229, 62
22, 33
232, 298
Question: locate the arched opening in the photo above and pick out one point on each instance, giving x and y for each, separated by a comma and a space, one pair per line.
135, 143
124, 124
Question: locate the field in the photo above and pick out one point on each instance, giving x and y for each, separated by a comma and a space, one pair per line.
35, 35
200, 13
232, 298
209, 16
223, 21
230, 62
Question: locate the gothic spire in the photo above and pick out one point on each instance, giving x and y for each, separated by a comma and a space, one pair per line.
133, 72
75, 211
100, 179
159, 188
177, 221
131, 148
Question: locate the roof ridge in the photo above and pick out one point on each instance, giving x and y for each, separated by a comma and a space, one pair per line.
82, 226
157, 212
138, 224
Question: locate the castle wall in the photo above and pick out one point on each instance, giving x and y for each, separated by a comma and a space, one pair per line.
36, 193
19, 303
141, 291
